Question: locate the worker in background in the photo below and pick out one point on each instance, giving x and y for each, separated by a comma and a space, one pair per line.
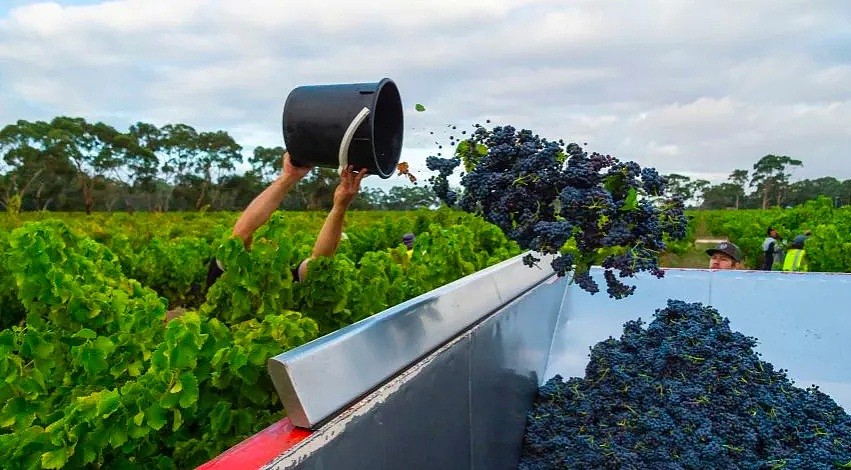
725, 255
772, 250
796, 256
408, 240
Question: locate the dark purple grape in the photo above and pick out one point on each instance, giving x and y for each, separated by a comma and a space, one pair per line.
542, 194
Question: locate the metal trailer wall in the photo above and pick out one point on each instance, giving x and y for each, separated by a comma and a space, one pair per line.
464, 404
316, 380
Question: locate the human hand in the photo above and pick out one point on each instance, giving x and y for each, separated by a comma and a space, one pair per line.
349, 186
292, 172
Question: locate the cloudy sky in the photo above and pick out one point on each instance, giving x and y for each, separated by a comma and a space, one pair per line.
694, 87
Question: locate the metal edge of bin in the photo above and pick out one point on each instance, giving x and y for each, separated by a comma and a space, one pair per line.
462, 405
322, 377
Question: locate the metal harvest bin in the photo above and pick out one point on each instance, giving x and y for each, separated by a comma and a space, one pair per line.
445, 380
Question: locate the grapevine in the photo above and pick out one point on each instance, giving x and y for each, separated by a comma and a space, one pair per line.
93, 376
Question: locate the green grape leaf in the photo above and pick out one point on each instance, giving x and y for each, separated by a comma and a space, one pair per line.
139, 418
631, 201
54, 458
178, 420
108, 403
190, 390
85, 333
93, 360
134, 369
118, 436
35, 346
156, 417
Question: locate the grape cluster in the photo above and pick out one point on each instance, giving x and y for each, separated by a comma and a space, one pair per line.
684, 392
440, 182
557, 199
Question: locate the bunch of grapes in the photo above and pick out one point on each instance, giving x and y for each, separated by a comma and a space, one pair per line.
557, 199
685, 391
440, 183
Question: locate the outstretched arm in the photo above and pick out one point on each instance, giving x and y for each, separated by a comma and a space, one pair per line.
329, 236
262, 207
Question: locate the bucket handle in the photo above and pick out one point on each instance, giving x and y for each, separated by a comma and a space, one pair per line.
348, 136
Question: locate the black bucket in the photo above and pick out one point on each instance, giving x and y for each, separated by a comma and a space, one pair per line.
334, 125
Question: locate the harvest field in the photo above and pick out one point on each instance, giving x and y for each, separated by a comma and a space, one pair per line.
602, 151
92, 374
828, 249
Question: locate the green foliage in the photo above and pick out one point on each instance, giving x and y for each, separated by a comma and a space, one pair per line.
470, 154
93, 377
828, 249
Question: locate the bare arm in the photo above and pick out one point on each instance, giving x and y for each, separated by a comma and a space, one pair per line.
329, 236
262, 207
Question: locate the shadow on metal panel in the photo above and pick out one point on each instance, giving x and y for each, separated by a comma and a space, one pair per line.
508, 362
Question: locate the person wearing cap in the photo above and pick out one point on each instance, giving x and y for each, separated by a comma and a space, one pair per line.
796, 256
772, 250
725, 255
264, 205
408, 240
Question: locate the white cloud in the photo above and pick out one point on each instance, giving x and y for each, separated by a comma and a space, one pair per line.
692, 87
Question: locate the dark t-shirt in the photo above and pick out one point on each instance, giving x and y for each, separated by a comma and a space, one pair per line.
770, 254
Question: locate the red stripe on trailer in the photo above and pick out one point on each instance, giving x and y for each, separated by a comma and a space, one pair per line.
259, 449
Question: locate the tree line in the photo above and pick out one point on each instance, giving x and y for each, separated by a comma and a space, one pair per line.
767, 184
70, 164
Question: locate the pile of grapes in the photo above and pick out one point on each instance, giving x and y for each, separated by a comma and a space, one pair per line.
686, 392
552, 198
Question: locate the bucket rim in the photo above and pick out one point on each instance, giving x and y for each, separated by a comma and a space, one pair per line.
379, 87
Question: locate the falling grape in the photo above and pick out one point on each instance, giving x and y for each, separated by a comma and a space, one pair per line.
542, 194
